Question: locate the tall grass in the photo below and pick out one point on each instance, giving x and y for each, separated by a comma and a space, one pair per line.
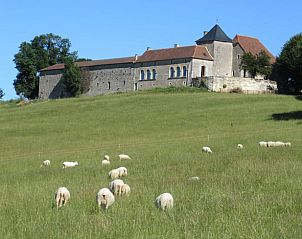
252, 193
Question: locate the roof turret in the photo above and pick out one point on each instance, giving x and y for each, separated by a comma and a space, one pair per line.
215, 34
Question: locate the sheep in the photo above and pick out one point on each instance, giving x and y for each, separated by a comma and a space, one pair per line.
106, 157
164, 201
62, 196
116, 186
70, 164
271, 144
45, 163
263, 144
287, 144
114, 174
122, 171
125, 189
279, 144
105, 162
239, 146
206, 149
104, 198
124, 157
193, 178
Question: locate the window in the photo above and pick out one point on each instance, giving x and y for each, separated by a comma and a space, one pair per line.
124, 82
203, 71
154, 74
178, 71
108, 85
238, 57
97, 84
184, 71
170, 84
142, 75
172, 72
148, 75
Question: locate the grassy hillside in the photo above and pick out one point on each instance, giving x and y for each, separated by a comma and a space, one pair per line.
253, 193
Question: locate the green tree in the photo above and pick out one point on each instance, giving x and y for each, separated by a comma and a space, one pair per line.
256, 64
287, 70
41, 52
72, 78
1, 93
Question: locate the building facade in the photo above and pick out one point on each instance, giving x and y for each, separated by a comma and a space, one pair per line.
214, 59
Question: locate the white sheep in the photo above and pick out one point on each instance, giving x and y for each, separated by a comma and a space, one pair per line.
45, 163
287, 144
104, 198
106, 157
123, 172
114, 174
62, 196
206, 149
239, 146
116, 186
70, 164
262, 144
105, 162
164, 201
125, 189
279, 144
193, 178
271, 144
124, 157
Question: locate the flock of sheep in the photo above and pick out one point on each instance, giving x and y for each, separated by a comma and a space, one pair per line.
106, 196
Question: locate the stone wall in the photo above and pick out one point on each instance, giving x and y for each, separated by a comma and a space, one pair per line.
51, 85
223, 58
247, 85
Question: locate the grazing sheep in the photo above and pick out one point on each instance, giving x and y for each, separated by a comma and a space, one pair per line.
271, 144
287, 144
239, 146
104, 198
45, 163
62, 195
279, 144
125, 189
263, 144
106, 157
105, 162
122, 171
193, 178
70, 164
114, 174
164, 201
124, 157
116, 186
206, 150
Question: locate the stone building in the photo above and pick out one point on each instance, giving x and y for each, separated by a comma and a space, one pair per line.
215, 60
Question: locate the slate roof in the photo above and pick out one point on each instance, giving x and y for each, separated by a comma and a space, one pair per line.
197, 52
252, 45
215, 34
94, 63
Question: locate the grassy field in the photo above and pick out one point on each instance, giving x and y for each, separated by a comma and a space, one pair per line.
252, 193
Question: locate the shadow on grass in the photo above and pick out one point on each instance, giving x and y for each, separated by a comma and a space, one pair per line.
299, 97
293, 115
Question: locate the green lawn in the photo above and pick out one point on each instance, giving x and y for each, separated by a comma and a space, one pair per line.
251, 193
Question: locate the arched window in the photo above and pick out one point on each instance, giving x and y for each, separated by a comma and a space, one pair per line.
178, 71
172, 72
148, 75
142, 75
154, 74
108, 85
184, 71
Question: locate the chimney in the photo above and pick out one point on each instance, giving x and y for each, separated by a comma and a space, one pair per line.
176, 45
205, 33
148, 48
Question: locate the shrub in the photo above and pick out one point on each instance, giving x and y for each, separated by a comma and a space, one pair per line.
236, 90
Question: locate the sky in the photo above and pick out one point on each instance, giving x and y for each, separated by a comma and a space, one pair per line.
100, 29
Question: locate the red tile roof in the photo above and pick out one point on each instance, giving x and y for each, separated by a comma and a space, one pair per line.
94, 63
252, 45
198, 52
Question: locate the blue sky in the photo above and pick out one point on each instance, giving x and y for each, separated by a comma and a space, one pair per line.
107, 29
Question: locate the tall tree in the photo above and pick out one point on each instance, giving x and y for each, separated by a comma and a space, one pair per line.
287, 70
72, 78
1, 93
41, 52
256, 64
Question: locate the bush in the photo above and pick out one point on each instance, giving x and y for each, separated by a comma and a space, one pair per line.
236, 90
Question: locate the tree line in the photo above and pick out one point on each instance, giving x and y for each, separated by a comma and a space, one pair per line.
49, 49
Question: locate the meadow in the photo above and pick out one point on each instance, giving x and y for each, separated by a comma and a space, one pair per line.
250, 193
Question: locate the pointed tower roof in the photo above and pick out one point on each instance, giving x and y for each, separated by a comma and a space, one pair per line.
215, 34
